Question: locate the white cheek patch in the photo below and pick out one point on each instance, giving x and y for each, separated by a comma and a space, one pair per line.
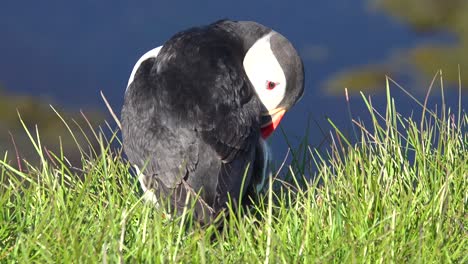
150, 54
261, 66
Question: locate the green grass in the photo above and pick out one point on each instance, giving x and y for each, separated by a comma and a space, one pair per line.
399, 195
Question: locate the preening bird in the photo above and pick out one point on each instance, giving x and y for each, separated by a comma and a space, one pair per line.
198, 109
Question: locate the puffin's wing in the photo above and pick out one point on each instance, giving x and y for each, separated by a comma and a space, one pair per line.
234, 139
225, 110
231, 133
209, 89
232, 128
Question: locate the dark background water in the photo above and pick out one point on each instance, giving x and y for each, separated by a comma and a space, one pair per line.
66, 52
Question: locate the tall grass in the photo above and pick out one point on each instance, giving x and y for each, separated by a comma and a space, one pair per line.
399, 195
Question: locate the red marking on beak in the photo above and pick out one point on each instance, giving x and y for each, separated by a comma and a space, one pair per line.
268, 128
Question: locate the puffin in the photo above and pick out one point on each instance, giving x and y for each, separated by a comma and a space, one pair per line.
197, 112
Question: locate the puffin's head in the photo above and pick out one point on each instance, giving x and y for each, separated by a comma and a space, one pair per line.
276, 72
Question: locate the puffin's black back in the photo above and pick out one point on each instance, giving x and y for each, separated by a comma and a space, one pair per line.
190, 119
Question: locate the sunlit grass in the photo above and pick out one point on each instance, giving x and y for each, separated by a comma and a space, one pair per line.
398, 195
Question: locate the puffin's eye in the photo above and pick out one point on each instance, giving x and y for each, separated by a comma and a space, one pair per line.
271, 85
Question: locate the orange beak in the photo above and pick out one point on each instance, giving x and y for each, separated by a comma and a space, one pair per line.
270, 121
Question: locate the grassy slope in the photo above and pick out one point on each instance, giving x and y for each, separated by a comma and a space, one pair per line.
400, 195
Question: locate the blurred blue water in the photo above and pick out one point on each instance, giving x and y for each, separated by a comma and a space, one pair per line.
69, 51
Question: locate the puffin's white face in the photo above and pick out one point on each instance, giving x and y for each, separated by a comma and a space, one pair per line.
265, 73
